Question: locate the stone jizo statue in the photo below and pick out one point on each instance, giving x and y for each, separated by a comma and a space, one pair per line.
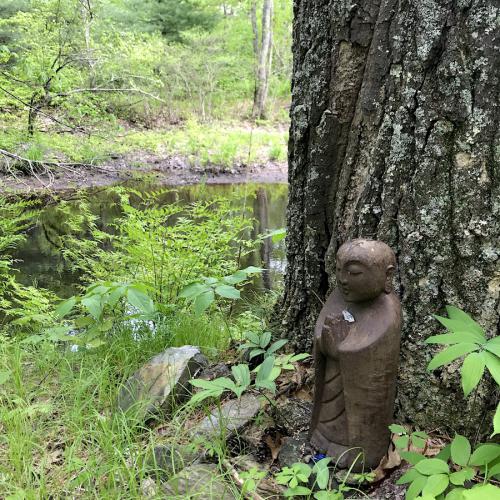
356, 351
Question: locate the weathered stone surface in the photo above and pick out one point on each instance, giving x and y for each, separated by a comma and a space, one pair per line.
394, 136
163, 380
293, 414
168, 460
294, 449
234, 415
202, 481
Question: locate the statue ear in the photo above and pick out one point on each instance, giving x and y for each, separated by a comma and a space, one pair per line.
389, 275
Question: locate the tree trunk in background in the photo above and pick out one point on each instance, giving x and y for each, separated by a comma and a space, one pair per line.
264, 60
395, 136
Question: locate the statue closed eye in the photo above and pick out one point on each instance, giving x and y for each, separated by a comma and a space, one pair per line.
356, 350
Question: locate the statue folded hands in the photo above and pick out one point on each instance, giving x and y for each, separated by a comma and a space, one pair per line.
356, 351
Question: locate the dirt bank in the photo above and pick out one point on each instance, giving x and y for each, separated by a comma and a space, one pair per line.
172, 171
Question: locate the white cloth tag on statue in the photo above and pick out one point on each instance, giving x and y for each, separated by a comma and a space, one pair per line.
348, 316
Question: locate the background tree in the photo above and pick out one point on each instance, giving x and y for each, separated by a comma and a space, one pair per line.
395, 136
263, 50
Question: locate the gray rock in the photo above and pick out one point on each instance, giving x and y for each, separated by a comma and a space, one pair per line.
294, 449
201, 481
234, 415
294, 415
168, 460
162, 381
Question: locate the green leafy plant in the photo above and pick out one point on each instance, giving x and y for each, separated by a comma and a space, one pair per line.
258, 344
406, 439
297, 479
202, 293
93, 314
444, 476
251, 479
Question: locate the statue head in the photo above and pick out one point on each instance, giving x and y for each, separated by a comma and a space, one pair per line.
364, 269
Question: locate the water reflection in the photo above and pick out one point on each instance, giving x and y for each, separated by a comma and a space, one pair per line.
40, 259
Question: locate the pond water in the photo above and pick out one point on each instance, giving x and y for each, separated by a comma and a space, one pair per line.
39, 259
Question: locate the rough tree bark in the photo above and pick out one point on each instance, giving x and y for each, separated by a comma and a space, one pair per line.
395, 136
263, 71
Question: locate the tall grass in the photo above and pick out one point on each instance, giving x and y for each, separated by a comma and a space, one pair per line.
61, 435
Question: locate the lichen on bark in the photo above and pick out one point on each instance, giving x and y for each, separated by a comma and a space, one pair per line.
395, 136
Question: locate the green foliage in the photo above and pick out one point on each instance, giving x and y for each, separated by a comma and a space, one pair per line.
93, 315
444, 476
297, 479
417, 439
21, 305
260, 343
202, 293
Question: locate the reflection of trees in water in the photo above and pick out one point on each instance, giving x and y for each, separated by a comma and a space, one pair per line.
40, 258
261, 215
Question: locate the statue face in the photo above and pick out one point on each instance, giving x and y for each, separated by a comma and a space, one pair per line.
361, 276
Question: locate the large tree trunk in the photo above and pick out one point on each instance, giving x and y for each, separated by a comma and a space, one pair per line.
395, 136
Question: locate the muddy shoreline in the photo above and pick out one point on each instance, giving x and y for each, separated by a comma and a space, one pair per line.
170, 171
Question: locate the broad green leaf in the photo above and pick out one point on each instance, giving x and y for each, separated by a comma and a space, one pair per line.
95, 343
241, 374
265, 338
202, 384
412, 457
485, 454
496, 422
253, 337
227, 291
493, 365
431, 466
460, 450
297, 491
140, 301
459, 325
472, 371
84, 321
255, 352
64, 308
4, 376
457, 314
277, 235
445, 453
299, 357
459, 478
402, 442
266, 384
115, 295
417, 440
193, 290
211, 281
451, 353
235, 278
493, 471
482, 492
397, 429
453, 338
494, 348
203, 301
252, 270
456, 494
322, 472
265, 369
436, 484
416, 487
276, 346
93, 305
409, 476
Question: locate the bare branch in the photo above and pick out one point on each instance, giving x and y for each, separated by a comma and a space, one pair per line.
98, 89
